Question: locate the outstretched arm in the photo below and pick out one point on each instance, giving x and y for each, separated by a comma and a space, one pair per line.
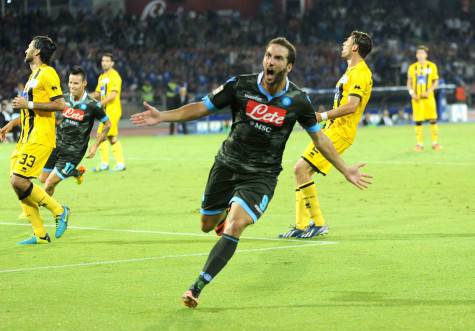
152, 116
351, 173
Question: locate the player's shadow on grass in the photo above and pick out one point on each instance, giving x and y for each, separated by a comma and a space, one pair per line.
378, 299
350, 299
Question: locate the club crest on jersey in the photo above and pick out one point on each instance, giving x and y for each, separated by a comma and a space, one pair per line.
265, 113
74, 114
286, 101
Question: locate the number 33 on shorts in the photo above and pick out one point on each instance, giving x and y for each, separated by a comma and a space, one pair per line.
28, 160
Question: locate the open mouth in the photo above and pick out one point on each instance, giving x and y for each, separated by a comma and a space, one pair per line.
270, 73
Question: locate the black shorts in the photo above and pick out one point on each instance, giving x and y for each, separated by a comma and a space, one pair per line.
62, 163
252, 191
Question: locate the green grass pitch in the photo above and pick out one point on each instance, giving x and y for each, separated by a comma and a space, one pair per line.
400, 256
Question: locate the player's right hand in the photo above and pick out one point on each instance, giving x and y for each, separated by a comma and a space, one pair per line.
357, 178
151, 116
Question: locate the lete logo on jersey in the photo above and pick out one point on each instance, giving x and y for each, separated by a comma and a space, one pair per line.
265, 113
74, 114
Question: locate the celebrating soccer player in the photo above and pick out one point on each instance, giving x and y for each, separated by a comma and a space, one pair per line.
265, 108
73, 133
109, 86
422, 80
352, 93
41, 97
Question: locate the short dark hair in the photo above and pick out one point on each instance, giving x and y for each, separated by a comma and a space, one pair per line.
77, 70
109, 55
46, 46
282, 41
423, 47
364, 42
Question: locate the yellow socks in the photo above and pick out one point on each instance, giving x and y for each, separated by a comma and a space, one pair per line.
310, 201
302, 217
41, 198
117, 151
30, 208
104, 150
434, 133
420, 135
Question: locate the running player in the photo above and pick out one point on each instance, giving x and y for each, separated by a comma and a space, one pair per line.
73, 132
41, 97
108, 90
265, 107
422, 80
352, 93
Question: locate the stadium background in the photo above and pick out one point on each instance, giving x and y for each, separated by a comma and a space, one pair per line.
399, 255
200, 44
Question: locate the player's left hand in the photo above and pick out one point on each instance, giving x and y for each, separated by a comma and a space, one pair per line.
357, 178
19, 103
149, 117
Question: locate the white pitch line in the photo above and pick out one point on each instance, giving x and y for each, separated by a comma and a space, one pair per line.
154, 258
188, 234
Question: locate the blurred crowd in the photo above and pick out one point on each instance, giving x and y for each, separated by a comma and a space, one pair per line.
201, 50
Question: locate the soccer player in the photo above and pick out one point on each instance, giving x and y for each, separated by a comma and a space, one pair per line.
41, 97
352, 93
73, 132
109, 86
422, 80
265, 108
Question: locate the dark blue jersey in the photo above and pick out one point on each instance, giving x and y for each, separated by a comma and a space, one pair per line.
262, 123
76, 122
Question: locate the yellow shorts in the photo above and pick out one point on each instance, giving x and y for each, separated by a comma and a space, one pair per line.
317, 160
424, 109
28, 160
114, 117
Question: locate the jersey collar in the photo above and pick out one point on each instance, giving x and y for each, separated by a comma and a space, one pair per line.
74, 103
267, 94
360, 64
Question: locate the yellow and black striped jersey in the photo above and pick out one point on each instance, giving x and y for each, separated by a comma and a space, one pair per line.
356, 81
422, 77
38, 127
107, 82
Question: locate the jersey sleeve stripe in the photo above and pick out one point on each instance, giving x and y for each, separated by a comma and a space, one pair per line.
314, 128
355, 95
209, 104
56, 97
104, 119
